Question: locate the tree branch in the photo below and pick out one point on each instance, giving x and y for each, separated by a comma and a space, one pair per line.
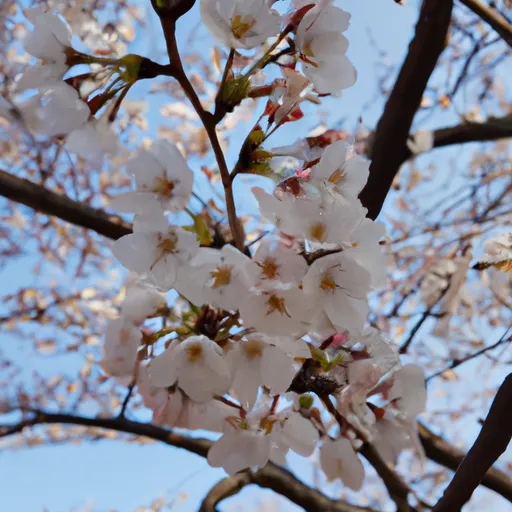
492, 18
443, 453
48, 202
490, 444
271, 476
390, 143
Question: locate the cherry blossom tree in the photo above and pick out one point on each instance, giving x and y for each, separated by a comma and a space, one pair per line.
289, 294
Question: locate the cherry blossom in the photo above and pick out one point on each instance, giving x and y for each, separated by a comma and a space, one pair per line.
56, 110
276, 310
409, 390
275, 262
255, 363
322, 48
240, 23
93, 141
498, 252
122, 340
224, 275
241, 447
339, 460
162, 179
142, 300
339, 172
338, 286
157, 250
49, 41
197, 365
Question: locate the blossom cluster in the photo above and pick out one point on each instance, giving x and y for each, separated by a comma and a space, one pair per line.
276, 342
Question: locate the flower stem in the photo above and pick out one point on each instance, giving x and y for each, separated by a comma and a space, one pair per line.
209, 123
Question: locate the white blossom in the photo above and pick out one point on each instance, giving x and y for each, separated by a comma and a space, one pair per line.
49, 41
240, 23
93, 141
322, 48
197, 365
122, 340
275, 262
409, 390
56, 110
162, 179
339, 460
498, 252
339, 172
142, 301
278, 311
223, 277
338, 286
255, 363
158, 251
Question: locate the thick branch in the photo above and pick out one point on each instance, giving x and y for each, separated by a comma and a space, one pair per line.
50, 203
271, 476
390, 143
443, 453
490, 16
491, 443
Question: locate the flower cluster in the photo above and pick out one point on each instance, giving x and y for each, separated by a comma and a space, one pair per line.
275, 342
57, 105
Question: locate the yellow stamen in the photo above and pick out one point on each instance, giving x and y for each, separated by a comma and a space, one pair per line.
168, 244
318, 232
253, 349
240, 26
276, 303
327, 283
337, 176
269, 268
194, 352
221, 276
163, 187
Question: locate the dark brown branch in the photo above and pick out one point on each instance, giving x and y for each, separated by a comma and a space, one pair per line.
491, 17
494, 128
443, 453
223, 489
396, 486
51, 203
271, 476
389, 149
490, 444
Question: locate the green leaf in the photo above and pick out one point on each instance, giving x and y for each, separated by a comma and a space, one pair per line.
200, 228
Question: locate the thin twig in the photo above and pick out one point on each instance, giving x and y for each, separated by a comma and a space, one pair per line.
457, 362
209, 122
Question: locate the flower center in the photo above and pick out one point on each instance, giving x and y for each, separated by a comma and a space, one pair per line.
221, 276
327, 283
269, 268
194, 352
241, 25
337, 176
318, 231
163, 187
276, 303
253, 349
167, 245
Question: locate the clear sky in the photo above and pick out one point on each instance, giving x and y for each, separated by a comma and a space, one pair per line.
115, 475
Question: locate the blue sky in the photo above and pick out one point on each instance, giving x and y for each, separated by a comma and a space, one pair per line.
115, 475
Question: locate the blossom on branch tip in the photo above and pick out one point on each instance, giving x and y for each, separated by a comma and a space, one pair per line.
49, 41
240, 23
197, 365
339, 172
322, 48
162, 179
